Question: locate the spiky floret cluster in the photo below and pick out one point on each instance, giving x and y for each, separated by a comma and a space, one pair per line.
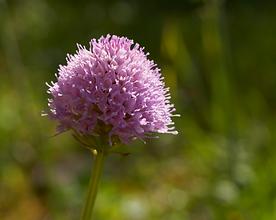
111, 89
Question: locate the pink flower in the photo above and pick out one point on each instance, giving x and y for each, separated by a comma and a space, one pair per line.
112, 89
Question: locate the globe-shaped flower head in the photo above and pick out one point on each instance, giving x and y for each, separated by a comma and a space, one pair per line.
111, 90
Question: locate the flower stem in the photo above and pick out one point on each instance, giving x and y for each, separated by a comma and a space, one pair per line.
93, 185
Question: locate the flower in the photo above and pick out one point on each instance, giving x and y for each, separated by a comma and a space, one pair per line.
111, 89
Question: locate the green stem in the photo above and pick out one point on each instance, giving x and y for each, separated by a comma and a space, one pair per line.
93, 186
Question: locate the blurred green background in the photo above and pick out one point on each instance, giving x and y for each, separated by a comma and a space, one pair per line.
218, 58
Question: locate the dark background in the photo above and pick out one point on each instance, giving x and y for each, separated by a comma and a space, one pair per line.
218, 58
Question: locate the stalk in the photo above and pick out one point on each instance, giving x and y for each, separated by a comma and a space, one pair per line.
93, 185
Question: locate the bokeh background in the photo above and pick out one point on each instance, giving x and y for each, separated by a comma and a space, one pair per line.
218, 58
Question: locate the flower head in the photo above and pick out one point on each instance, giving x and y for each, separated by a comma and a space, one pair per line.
111, 89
